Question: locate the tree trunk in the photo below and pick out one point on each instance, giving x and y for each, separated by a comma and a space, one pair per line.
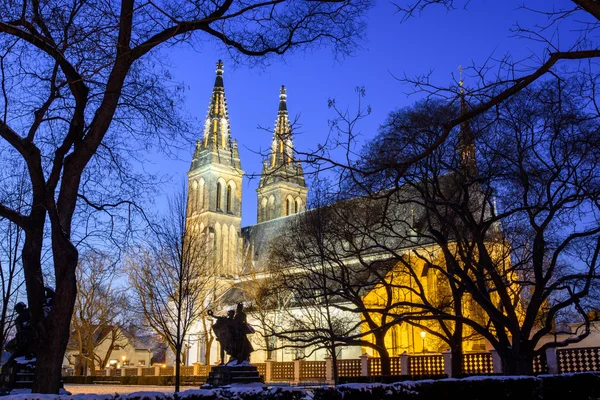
52, 332
334, 366
207, 346
457, 360
456, 350
384, 355
177, 365
517, 364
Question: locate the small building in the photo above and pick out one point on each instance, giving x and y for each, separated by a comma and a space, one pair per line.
114, 347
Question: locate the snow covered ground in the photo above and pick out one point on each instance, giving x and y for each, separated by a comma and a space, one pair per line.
121, 389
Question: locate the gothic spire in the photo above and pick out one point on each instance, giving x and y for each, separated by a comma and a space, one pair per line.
216, 126
282, 165
216, 145
466, 138
282, 147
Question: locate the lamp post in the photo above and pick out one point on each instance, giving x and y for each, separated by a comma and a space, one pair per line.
423, 334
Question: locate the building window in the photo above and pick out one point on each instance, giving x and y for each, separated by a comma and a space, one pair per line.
218, 195
229, 198
288, 206
141, 363
296, 206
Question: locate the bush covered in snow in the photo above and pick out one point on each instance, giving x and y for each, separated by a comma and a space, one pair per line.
584, 386
549, 387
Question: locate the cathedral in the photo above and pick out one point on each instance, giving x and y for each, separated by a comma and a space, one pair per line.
215, 192
240, 255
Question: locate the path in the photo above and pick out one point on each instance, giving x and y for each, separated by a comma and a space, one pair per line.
121, 389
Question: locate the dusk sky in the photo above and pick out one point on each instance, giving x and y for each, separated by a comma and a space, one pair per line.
438, 40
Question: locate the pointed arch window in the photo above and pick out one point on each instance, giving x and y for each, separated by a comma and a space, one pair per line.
296, 206
288, 206
228, 199
218, 195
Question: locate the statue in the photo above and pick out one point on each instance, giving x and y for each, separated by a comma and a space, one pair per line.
22, 344
232, 333
19, 370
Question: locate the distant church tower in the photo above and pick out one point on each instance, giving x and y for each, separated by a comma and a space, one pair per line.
215, 185
466, 138
282, 190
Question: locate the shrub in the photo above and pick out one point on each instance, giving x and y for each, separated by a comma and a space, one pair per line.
583, 386
248, 393
361, 391
146, 396
476, 388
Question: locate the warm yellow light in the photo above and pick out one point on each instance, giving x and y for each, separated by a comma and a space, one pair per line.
123, 358
423, 333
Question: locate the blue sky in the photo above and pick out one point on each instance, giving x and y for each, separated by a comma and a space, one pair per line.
438, 41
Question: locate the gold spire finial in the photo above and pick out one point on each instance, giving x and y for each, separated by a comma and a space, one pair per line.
461, 81
282, 90
219, 66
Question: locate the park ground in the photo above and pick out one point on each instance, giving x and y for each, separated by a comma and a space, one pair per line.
120, 389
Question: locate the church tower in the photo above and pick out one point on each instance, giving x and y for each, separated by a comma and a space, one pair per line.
282, 190
466, 138
215, 185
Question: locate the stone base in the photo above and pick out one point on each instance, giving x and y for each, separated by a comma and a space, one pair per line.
222, 375
18, 374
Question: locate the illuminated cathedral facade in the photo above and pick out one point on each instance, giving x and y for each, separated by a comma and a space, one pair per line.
239, 255
215, 181
214, 205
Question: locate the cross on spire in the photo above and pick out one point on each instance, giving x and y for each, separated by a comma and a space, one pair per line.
282, 98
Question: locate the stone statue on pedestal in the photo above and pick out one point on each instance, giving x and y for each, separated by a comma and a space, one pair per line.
19, 370
232, 333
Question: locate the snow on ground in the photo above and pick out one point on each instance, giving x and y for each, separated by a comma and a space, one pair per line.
121, 389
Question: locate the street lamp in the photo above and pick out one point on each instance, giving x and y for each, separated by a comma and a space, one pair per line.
423, 334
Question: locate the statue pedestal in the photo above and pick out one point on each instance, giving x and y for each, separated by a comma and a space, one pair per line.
230, 374
18, 374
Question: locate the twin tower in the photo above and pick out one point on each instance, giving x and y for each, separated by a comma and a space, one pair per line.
215, 182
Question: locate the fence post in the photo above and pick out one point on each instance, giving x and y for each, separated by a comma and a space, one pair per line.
268, 370
364, 364
196, 369
123, 372
329, 370
107, 371
404, 364
139, 371
496, 362
297, 368
156, 371
552, 361
448, 363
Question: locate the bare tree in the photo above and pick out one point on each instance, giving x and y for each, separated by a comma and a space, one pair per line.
82, 92
11, 241
100, 311
263, 302
174, 279
533, 257
328, 266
